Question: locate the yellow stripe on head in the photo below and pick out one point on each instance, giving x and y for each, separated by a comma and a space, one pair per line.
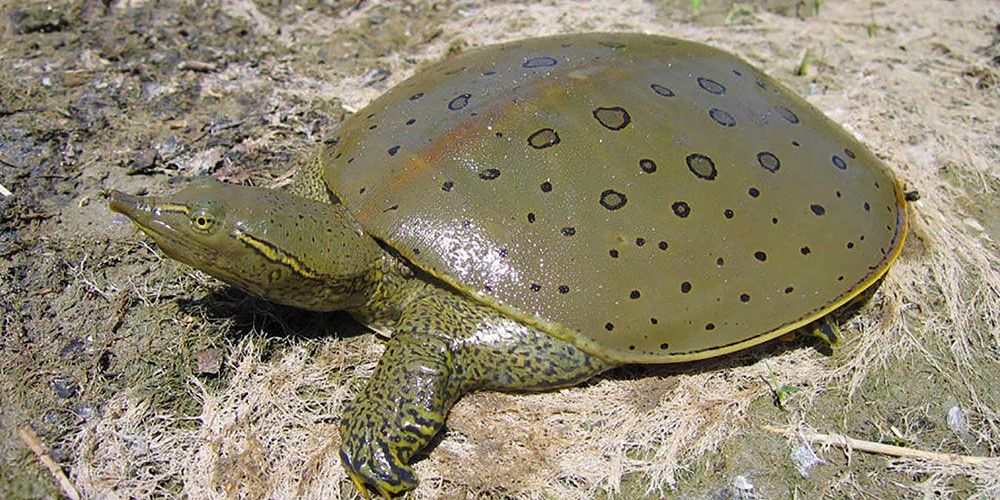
275, 254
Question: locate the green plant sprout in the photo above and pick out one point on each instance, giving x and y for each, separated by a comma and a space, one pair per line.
781, 391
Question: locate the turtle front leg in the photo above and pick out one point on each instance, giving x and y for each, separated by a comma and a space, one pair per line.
444, 347
398, 414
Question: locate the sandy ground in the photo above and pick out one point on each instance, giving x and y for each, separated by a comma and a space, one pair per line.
141, 377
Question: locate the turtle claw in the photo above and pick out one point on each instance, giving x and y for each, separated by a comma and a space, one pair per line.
375, 469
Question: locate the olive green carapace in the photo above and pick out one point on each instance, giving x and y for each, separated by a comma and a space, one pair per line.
646, 198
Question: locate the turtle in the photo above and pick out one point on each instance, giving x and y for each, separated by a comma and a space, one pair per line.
526, 216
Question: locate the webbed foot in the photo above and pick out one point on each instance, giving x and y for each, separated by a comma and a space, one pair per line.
826, 330
373, 464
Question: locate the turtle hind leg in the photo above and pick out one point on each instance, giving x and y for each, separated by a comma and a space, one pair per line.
826, 329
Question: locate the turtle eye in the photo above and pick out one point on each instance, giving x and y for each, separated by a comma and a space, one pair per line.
202, 220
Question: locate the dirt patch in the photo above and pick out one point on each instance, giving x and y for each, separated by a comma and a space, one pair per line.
105, 342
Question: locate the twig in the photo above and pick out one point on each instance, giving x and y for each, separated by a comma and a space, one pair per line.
31, 440
200, 66
882, 449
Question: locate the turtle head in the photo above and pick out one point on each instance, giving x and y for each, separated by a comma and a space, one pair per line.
273, 244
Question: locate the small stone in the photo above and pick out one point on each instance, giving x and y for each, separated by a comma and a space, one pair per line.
805, 458
957, 421
64, 388
144, 162
209, 361
742, 485
375, 76
85, 412
74, 347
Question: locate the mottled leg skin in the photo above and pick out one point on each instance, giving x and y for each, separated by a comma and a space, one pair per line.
826, 329
308, 179
444, 346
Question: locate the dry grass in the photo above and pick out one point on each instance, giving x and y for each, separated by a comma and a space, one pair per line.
268, 429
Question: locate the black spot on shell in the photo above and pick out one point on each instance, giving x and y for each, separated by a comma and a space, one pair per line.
850, 154
613, 200
787, 114
416, 251
722, 117
720, 262
535, 287
543, 138
612, 45
759, 255
663, 245
546, 187
839, 162
737, 73
868, 207
768, 161
701, 166
711, 86
631, 347
459, 102
789, 290
685, 287
539, 62
653, 321
613, 253
568, 231
613, 118
805, 250
393, 150
634, 294
416, 96
796, 144
647, 165
710, 326
372, 127
531, 217
817, 209
681, 209
411, 121
489, 72
728, 213
489, 174
447, 186
744, 297
850, 244
609, 326
663, 91
563, 289
753, 192
640, 242
664, 346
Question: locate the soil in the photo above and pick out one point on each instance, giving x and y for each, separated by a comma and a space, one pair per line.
143, 377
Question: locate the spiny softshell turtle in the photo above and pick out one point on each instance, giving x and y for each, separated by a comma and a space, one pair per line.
528, 215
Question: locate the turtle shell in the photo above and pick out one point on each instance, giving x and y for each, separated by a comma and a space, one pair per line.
647, 198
